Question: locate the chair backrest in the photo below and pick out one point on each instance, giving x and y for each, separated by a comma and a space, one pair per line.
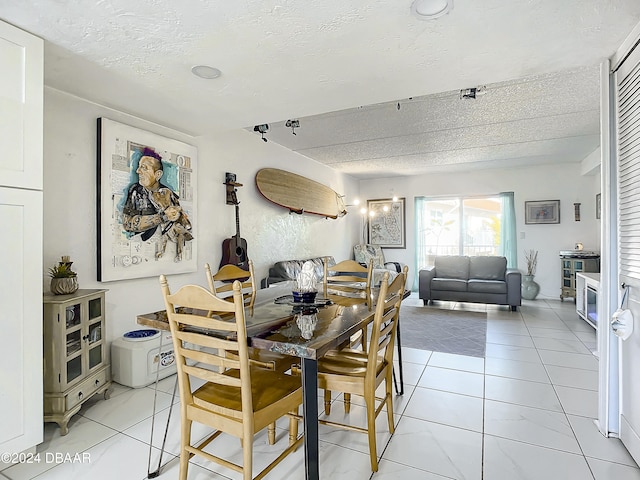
221, 282
197, 350
385, 322
365, 252
348, 278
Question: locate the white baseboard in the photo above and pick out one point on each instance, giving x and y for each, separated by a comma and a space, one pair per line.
630, 438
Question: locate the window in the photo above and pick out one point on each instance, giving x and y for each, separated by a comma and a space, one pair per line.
462, 226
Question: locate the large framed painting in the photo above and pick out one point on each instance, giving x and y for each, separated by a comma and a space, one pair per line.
387, 223
542, 211
146, 203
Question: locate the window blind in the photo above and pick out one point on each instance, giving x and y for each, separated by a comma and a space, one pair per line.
628, 97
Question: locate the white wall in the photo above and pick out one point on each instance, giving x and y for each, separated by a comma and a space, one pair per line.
549, 182
272, 234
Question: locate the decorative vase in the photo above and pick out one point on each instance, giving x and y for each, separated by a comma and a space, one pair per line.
530, 288
304, 297
64, 286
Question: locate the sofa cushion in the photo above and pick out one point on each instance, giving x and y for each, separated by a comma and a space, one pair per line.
452, 267
364, 253
449, 284
487, 286
487, 268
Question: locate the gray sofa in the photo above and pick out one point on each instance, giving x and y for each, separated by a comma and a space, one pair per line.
471, 279
289, 269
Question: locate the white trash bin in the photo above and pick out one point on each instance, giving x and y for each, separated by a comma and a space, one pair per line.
136, 357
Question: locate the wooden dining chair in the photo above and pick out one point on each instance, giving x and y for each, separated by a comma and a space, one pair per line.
359, 340
238, 397
349, 280
348, 283
221, 282
221, 285
358, 372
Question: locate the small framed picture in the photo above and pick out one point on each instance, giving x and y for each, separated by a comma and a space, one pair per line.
542, 211
598, 205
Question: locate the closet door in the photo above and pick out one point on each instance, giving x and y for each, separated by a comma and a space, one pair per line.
21, 397
21, 113
628, 161
21, 274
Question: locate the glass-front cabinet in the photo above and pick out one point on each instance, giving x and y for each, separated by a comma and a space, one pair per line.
571, 266
76, 357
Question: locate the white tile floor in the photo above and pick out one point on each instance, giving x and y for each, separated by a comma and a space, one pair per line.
525, 412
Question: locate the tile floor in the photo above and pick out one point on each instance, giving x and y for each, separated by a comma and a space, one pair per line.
525, 412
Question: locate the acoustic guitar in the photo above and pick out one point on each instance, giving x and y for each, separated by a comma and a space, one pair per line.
234, 249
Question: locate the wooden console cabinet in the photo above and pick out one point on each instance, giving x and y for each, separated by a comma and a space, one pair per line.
76, 357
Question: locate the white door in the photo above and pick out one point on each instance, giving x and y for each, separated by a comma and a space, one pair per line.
21, 274
21, 319
627, 81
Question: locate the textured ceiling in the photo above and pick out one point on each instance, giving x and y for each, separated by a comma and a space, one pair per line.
290, 59
539, 120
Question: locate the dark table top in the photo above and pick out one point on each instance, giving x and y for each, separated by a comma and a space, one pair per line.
278, 327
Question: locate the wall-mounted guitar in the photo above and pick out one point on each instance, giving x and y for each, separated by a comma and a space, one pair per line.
234, 249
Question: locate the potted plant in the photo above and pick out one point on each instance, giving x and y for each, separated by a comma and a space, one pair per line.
63, 279
530, 288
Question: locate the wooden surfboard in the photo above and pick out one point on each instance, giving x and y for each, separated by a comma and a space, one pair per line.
299, 194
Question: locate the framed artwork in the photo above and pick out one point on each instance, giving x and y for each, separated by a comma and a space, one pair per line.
598, 206
387, 225
542, 211
146, 203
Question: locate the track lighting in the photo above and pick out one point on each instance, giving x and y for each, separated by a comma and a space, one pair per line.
292, 124
473, 92
264, 128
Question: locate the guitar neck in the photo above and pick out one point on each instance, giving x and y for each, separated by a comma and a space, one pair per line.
237, 221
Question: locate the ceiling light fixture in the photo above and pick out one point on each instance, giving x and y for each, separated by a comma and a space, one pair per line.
292, 124
473, 92
206, 72
430, 9
264, 128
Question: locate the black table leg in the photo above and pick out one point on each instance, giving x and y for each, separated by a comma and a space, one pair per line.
310, 414
395, 383
156, 472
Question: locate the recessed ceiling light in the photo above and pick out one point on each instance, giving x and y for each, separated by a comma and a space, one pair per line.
430, 9
204, 71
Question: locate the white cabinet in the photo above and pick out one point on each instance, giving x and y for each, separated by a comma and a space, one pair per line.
587, 286
21, 112
21, 107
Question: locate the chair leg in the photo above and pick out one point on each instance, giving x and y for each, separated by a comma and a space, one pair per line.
185, 439
389, 402
371, 429
293, 427
247, 457
327, 402
347, 402
271, 431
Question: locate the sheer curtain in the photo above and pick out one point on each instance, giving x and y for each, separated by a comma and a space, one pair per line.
508, 241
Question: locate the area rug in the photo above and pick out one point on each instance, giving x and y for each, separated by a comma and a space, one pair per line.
449, 331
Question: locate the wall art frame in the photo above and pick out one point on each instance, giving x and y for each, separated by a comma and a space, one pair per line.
541, 212
144, 232
387, 226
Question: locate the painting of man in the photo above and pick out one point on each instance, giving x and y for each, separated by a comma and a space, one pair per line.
151, 206
147, 203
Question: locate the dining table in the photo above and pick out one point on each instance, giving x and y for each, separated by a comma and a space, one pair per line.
304, 331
